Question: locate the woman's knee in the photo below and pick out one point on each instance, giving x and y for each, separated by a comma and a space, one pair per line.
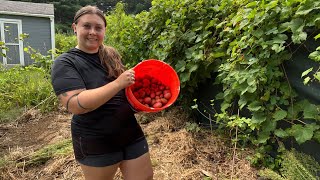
144, 176
99, 173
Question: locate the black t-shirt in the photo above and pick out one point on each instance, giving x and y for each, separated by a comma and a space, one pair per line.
115, 119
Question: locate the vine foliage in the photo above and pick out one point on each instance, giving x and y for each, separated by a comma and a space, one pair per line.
246, 43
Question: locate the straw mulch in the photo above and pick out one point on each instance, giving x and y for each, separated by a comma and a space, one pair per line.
179, 154
175, 152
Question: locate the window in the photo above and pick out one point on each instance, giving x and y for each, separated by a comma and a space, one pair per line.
10, 29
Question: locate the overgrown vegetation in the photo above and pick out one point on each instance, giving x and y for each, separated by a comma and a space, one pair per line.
64, 42
25, 88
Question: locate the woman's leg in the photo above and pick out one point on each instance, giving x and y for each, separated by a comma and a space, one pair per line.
99, 173
137, 169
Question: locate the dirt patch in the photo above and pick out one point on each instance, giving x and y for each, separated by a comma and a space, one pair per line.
34, 130
175, 152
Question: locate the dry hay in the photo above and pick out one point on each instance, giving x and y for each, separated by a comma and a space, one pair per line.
178, 154
62, 168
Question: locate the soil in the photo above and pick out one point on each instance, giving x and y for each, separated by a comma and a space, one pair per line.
175, 152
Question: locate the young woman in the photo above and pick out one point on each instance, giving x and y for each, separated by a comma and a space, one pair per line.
89, 81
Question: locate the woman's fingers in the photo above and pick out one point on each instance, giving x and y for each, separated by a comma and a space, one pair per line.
127, 78
131, 75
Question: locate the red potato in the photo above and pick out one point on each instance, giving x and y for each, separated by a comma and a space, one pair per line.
161, 87
166, 91
153, 101
142, 94
147, 100
158, 93
164, 101
137, 84
136, 95
167, 96
146, 82
157, 105
148, 91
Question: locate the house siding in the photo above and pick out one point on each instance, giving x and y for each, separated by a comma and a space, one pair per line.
39, 30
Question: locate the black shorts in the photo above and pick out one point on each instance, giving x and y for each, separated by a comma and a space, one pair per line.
132, 151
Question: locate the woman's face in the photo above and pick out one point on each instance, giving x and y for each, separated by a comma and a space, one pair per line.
90, 31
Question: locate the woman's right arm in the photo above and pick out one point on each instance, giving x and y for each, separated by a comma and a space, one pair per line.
81, 101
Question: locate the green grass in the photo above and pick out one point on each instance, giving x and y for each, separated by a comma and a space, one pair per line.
3, 162
41, 156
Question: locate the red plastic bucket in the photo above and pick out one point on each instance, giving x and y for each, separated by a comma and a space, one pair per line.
161, 71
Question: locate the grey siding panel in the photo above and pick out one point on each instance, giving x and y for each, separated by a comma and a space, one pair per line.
39, 30
1, 58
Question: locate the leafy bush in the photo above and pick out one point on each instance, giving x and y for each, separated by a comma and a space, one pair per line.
64, 42
124, 32
26, 87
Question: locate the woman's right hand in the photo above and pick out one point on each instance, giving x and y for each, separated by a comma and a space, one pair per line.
126, 79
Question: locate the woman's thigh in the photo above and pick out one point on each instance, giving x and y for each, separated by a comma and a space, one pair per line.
99, 173
137, 163
139, 168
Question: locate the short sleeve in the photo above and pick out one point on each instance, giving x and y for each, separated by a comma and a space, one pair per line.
65, 77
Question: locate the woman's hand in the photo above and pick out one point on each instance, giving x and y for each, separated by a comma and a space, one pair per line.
126, 79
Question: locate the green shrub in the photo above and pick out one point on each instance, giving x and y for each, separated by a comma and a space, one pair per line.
64, 42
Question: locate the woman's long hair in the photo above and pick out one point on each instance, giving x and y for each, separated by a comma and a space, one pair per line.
110, 58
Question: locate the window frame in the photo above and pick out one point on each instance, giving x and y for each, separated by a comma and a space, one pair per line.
18, 22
